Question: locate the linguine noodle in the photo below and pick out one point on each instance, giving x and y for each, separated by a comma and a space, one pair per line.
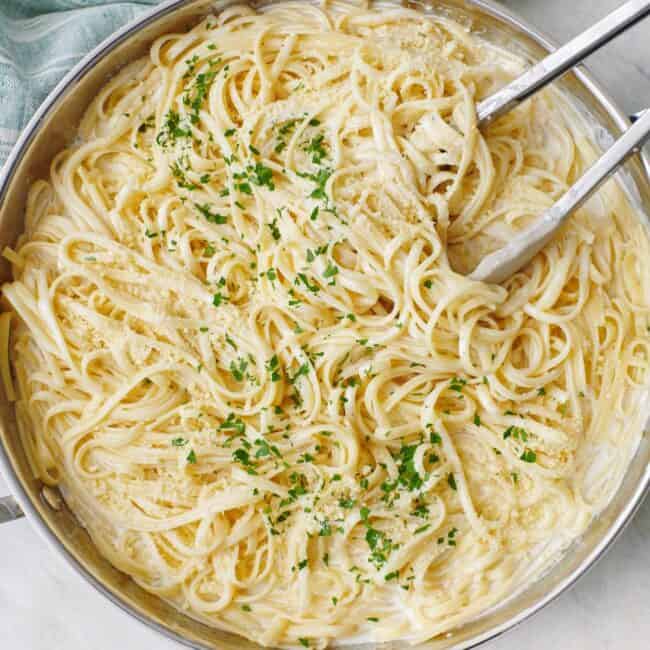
241, 346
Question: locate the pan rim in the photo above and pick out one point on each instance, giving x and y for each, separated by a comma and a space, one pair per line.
8, 173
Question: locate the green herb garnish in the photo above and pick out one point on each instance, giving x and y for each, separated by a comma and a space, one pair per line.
529, 456
212, 217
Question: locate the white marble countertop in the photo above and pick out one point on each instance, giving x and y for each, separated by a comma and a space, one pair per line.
45, 606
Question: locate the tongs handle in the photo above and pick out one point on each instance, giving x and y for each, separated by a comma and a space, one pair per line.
561, 60
630, 142
503, 263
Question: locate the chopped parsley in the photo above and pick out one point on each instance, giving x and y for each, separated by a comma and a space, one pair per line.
273, 366
198, 92
320, 179
243, 457
519, 433
311, 255
172, 130
421, 510
179, 174
380, 544
330, 271
301, 277
288, 126
457, 384
408, 475
212, 217
238, 370
244, 188
529, 456
275, 231
265, 449
302, 370
261, 175
233, 424
149, 123
316, 149
284, 131
325, 529
191, 65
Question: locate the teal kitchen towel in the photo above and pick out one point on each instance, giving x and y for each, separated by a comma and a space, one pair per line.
40, 40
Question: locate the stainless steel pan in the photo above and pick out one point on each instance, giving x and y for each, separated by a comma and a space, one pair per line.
54, 125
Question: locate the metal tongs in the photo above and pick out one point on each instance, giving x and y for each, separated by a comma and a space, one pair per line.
503, 263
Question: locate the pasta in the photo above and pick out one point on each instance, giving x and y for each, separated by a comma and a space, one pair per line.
240, 344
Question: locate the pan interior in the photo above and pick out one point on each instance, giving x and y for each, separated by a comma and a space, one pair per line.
57, 126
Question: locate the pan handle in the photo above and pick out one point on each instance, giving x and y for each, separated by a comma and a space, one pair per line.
9, 509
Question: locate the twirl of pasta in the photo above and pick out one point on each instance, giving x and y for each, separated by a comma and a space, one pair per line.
239, 346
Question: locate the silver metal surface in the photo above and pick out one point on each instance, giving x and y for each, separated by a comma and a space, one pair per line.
561, 60
505, 262
9, 509
54, 125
